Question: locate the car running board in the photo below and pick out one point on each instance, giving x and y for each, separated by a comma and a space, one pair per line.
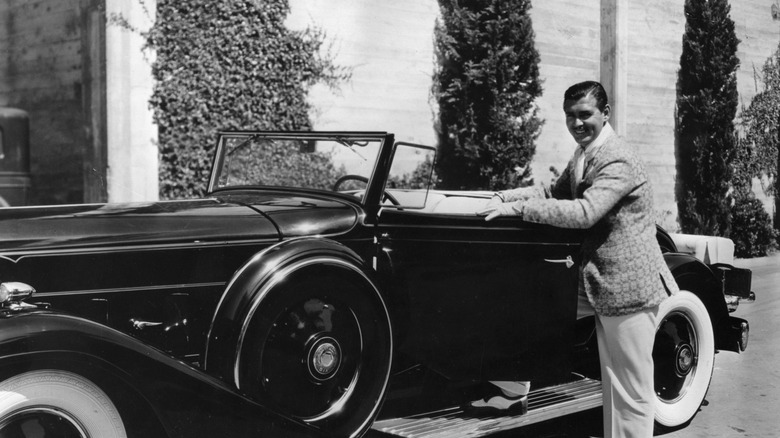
543, 404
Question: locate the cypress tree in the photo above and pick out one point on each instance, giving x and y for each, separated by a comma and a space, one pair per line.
485, 85
706, 106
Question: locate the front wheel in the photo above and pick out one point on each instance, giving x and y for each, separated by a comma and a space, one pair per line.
684, 357
56, 403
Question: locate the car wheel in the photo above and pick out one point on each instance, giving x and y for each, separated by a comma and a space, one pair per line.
684, 357
319, 349
56, 403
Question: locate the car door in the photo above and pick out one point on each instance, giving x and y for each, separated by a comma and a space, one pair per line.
483, 300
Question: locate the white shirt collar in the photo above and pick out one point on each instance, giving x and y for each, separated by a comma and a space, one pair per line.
604, 135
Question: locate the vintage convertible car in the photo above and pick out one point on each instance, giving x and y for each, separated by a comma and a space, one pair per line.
321, 287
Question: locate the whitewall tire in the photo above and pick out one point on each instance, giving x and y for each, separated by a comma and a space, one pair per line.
54, 402
684, 357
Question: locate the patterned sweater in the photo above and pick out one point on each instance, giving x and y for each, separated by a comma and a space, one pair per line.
622, 269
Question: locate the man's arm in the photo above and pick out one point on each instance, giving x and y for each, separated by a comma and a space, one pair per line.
614, 181
561, 189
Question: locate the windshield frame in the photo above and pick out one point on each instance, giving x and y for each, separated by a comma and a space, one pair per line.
376, 178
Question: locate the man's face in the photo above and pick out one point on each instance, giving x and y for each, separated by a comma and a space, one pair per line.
584, 119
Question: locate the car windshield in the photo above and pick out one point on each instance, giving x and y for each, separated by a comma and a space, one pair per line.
331, 162
310, 162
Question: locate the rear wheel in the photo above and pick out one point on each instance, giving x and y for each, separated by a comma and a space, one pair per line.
319, 349
47, 403
684, 357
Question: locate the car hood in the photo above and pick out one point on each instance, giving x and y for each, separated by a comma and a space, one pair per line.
233, 217
299, 214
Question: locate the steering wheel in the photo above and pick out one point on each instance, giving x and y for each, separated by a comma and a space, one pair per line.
363, 179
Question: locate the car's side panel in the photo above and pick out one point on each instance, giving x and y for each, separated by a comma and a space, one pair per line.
162, 294
476, 291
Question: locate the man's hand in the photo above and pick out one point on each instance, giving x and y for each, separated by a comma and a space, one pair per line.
493, 211
494, 201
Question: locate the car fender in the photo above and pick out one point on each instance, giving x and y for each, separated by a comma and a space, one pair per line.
693, 275
156, 394
255, 278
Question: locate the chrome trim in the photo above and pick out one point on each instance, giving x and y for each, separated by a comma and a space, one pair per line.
544, 404
16, 256
568, 261
14, 291
275, 279
130, 289
326, 346
744, 337
733, 301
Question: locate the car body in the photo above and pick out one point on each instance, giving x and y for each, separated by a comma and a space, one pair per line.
319, 285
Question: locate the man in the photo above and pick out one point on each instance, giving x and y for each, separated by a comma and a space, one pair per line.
623, 277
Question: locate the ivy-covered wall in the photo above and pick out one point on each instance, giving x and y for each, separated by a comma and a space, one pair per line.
227, 66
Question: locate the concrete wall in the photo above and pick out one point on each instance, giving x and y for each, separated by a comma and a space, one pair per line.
389, 45
131, 137
655, 45
43, 51
568, 41
84, 84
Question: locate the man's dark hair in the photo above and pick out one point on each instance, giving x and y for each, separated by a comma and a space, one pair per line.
588, 88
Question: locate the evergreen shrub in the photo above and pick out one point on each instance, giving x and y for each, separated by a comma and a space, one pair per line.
752, 234
485, 84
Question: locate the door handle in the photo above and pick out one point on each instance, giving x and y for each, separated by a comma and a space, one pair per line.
568, 261
140, 325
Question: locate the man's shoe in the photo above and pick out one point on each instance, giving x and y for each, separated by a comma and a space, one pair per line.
500, 404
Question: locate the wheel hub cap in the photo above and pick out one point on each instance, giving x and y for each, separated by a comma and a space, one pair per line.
684, 359
324, 358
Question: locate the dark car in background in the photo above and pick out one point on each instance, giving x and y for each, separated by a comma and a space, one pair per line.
320, 287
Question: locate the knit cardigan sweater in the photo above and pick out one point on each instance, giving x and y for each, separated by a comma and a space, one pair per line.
622, 269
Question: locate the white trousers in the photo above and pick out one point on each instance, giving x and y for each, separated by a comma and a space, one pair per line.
626, 356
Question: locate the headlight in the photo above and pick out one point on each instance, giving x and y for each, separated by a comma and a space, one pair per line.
14, 291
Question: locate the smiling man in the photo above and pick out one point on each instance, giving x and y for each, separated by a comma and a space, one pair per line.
623, 277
